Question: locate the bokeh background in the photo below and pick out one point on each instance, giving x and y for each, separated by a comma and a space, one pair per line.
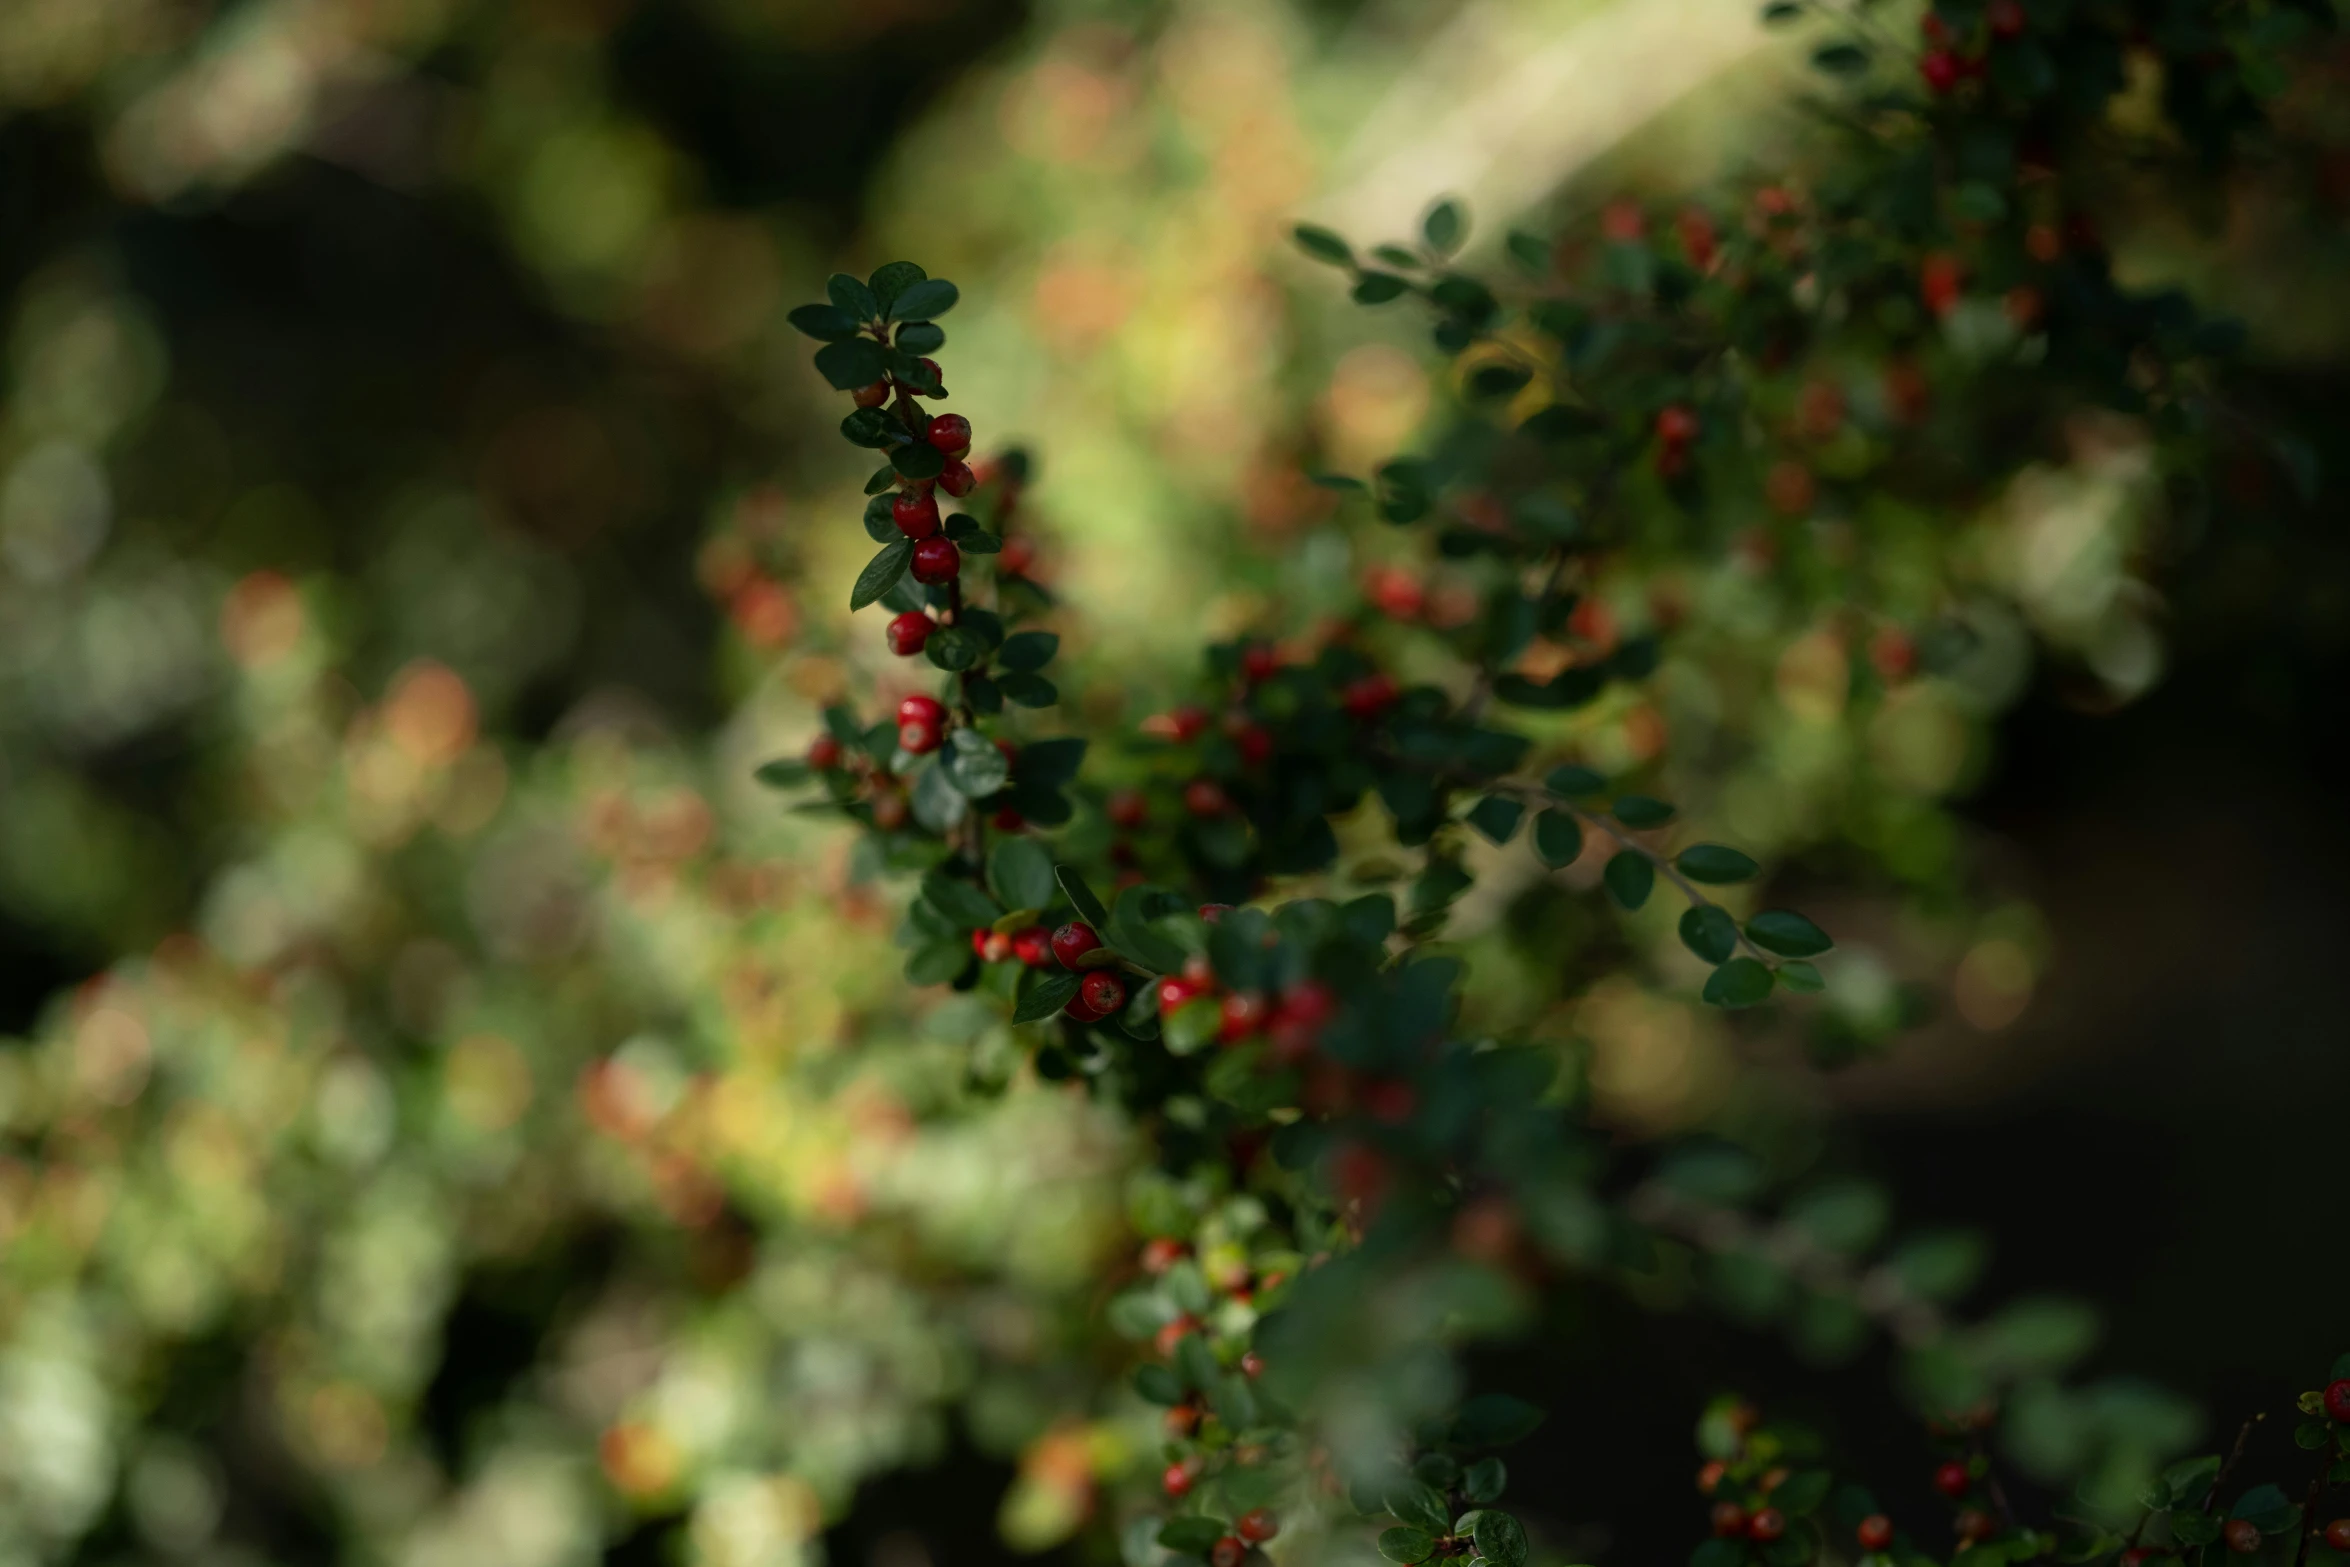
448, 1114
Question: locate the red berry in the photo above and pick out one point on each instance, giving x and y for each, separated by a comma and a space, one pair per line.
993, 946
1243, 1015
1204, 797
2243, 1536
1972, 1524
824, 754
1257, 661
1128, 809
1227, 1552
1214, 912
2338, 1400
1182, 1420
1875, 1532
1729, 1520
937, 560
1252, 1365
1369, 696
1676, 425
1177, 1480
1255, 743
1078, 1012
1940, 279
889, 811
872, 396
2006, 18
1032, 946
1258, 1525
2338, 1534
1189, 723
951, 434
1709, 1476
1175, 990
1103, 991
916, 513
937, 375
1952, 1479
1014, 559
1161, 1253
1941, 69
918, 738
1395, 591
908, 632
920, 709
1767, 1525
1697, 236
1622, 223
1936, 30
1009, 820
956, 478
1073, 941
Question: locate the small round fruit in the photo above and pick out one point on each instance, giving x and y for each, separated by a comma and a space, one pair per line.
1369, 696
1205, 797
916, 513
1009, 820
1078, 1012
1160, 1253
2338, 1400
889, 811
910, 632
1176, 1481
918, 738
1175, 990
957, 479
1189, 723
1258, 661
1941, 70
1015, 558
1244, 1014
993, 946
951, 434
1972, 1524
1032, 945
2243, 1536
920, 709
937, 560
824, 754
1709, 1476
1182, 1420
1255, 743
2006, 18
1952, 1479
1252, 1364
1875, 1532
1729, 1520
1676, 425
1103, 991
1767, 1525
1258, 1525
1128, 808
872, 396
1227, 1552
1073, 941
938, 378
1214, 913
2338, 1535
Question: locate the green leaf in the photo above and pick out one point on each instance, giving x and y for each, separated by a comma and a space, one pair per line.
926, 300
1841, 59
1044, 992
1026, 690
1558, 838
1377, 288
882, 478
1640, 811
1497, 817
938, 963
1500, 1538
1572, 780
1418, 1504
785, 772
1530, 251
1495, 1420
890, 280
869, 427
1193, 1534
921, 337
851, 363
980, 543
974, 765
1020, 873
2312, 1434
1485, 1480
1159, 1385
953, 649
1051, 761
881, 573
1630, 877
1708, 931
1941, 1267
1130, 930
1801, 978
1089, 907
935, 802
829, 323
1788, 934
1715, 863
2193, 1528
1323, 245
918, 460
1192, 1025
852, 297
1407, 1546
1780, 12
1336, 481
964, 905
1029, 650
1802, 1492
1741, 982
1443, 227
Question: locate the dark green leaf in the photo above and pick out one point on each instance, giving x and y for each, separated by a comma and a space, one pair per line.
918, 460
1377, 288
1323, 245
1788, 934
1051, 761
851, 363
852, 297
1572, 780
1741, 982
1708, 931
921, 337
1029, 650
1442, 228
1159, 1385
785, 772
1044, 992
1558, 838
974, 765
882, 478
1715, 863
934, 800
2267, 1508
1089, 908
1495, 1420
983, 696
870, 427
1630, 877
964, 905
1192, 1534
890, 281
1801, 978
980, 544
829, 323
1530, 251
1501, 1539
1841, 59
1641, 812
1497, 817
880, 525
1026, 690
1020, 873
1780, 12
1496, 381
953, 649
1407, 1546
1418, 1504
1336, 481
1802, 1492
925, 300
938, 963
1485, 1480
2193, 1528
881, 573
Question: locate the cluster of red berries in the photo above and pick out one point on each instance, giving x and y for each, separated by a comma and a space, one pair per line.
1676, 427
915, 511
1945, 63
1290, 1022
1099, 994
